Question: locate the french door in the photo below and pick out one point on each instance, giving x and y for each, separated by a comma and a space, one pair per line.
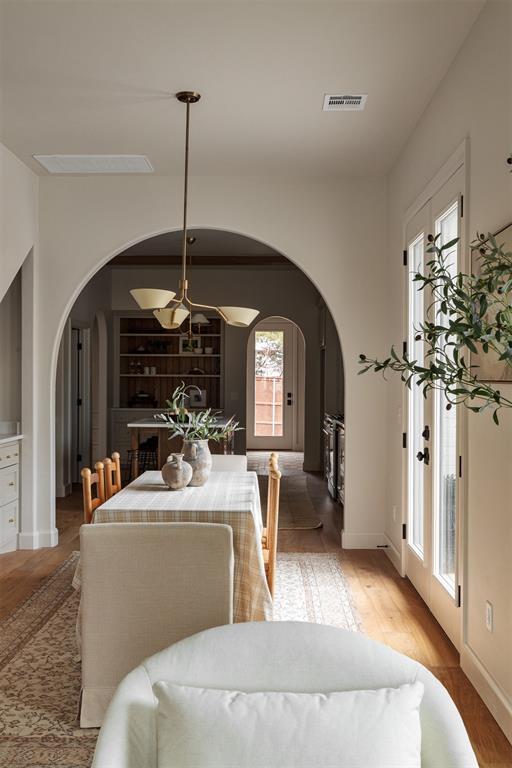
271, 385
434, 490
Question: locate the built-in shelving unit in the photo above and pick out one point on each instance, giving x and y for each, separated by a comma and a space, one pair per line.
152, 362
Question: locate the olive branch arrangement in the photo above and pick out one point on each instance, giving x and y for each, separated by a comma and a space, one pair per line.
466, 313
194, 425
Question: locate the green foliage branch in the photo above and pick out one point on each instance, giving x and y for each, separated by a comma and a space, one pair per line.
466, 313
194, 425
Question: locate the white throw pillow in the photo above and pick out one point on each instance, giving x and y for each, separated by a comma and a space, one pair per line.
208, 728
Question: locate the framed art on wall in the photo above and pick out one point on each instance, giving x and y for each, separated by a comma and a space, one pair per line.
189, 344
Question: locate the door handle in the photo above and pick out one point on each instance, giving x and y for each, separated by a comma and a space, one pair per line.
426, 432
289, 398
423, 455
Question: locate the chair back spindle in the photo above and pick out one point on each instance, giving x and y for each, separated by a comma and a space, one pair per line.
89, 479
270, 542
113, 483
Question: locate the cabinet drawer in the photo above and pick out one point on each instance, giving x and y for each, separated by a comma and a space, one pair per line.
8, 524
8, 485
9, 454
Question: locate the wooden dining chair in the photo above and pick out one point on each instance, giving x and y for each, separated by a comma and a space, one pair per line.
113, 482
89, 479
269, 537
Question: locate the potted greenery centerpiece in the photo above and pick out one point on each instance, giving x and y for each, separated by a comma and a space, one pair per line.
466, 314
196, 428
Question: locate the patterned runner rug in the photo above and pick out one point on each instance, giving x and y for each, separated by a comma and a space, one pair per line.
296, 511
40, 674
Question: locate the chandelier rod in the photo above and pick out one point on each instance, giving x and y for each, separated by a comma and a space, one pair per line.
185, 201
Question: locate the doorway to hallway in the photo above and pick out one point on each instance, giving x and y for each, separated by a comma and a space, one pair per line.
275, 386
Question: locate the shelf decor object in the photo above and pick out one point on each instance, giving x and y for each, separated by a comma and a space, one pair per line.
168, 310
155, 361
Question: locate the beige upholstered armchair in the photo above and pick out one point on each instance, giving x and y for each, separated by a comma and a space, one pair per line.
145, 586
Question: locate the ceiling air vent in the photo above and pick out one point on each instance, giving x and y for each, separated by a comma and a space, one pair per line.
95, 163
344, 103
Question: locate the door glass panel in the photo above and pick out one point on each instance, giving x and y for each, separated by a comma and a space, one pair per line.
416, 504
445, 464
268, 383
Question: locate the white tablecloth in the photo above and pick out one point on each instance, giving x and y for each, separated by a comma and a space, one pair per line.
228, 497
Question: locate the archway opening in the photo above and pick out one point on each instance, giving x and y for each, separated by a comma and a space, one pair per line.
142, 364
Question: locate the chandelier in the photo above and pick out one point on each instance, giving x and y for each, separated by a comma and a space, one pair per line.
169, 310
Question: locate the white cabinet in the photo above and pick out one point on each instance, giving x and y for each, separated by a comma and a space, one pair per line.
9, 495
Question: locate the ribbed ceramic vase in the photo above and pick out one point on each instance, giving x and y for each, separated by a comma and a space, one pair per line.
176, 473
197, 454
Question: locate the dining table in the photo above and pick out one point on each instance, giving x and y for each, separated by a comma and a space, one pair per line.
231, 498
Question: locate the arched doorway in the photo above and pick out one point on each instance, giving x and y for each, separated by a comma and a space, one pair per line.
276, 386
223, 265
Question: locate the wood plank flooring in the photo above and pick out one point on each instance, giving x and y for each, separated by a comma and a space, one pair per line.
390, 609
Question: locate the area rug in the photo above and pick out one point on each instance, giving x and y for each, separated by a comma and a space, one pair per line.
312, 587
296, 511
40, 680
290, 462
40, 671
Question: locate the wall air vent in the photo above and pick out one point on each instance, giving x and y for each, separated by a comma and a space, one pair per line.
95, 163
344, 103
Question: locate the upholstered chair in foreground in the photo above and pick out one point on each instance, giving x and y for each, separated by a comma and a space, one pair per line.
276, 656
145, 586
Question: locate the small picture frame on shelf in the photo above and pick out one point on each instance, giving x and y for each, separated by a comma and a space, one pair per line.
198, 400
188, 345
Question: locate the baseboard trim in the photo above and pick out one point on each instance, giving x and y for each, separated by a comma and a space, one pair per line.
61, 491
494, 698
361, 540
393, 554
38, 539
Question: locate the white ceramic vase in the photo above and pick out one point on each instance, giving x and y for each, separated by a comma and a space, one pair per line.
197, 454
176, 473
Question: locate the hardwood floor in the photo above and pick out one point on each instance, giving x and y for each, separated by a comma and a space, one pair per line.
392, 612
390, 609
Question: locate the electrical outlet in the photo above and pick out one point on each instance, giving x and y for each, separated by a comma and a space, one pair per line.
489, 616
394, 513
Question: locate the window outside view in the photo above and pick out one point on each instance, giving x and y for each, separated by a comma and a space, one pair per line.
446, 453
268, 383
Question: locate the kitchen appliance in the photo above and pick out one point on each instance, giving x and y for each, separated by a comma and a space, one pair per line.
334, 454
329, 436
340, 462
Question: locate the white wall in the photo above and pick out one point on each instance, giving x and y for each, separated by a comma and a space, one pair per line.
10, 352
323, 226
18, 250
18, 215
474, 101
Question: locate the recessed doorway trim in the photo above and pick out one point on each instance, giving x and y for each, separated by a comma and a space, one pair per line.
293, 388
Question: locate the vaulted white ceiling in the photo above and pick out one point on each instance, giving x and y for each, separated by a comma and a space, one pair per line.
98, 77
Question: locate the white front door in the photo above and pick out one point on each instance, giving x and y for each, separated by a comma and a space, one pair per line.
272, 385
433, 433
